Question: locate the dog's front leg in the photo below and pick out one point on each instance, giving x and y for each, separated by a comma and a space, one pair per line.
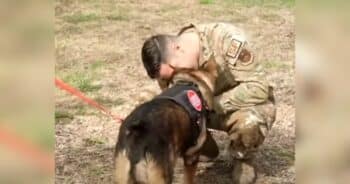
190, 164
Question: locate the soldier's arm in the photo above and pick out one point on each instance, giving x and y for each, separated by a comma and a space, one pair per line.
236, 44
232, 40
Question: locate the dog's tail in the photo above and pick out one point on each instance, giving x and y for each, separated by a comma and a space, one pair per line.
133, 162
123, 161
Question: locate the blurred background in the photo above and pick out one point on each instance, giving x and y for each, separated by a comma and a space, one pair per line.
27, 54
26, 92
323, 102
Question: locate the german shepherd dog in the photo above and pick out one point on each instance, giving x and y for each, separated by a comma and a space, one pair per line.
159, 131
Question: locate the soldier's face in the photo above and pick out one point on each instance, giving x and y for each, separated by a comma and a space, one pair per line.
166, 71
181, 58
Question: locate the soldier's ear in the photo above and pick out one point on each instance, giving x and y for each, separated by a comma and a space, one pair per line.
174, 46
177, 47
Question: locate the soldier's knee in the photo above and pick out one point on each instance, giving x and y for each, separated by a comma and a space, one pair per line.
267, 112
257, 92
245, 95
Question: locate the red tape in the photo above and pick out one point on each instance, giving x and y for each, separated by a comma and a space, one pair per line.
59, 83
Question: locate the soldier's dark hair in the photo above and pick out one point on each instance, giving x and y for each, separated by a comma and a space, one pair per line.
154, 52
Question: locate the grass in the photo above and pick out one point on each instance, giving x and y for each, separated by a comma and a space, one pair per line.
109, 102
66, 114
120, 15
63, 115
81, 109
83, 81
117, 17
167, 8
79, 18
270, 17
251, 3
264, 3
97, 65
286, 155
93, 141
96, 171
72, 29
206, 1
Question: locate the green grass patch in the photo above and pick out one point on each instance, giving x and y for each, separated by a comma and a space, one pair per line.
82, 110
288, 3
264, 3
63, 115
82, 81
120, 15
97, 65
206, 1
117, 17
93, 141
79, 18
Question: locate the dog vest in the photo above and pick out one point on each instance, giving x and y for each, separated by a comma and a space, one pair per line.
188, 96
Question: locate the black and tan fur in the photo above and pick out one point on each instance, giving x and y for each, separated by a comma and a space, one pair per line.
205, 78
157, 132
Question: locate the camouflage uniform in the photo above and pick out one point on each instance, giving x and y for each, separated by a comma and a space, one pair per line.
244, 105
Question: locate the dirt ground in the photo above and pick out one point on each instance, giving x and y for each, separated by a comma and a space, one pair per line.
98, 46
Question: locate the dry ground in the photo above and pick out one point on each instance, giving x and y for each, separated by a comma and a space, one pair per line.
98, 51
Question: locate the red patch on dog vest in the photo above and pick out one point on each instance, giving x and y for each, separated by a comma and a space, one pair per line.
194, 100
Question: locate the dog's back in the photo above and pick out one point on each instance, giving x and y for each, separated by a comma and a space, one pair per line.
150, 140
159, 131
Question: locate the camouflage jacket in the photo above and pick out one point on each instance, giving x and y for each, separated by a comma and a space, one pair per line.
227, 43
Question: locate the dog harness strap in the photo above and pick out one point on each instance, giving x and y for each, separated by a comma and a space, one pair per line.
188, 96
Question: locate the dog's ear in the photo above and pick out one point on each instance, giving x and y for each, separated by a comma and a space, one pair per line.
135, 126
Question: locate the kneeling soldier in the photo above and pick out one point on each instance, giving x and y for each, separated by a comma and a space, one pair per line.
244, 104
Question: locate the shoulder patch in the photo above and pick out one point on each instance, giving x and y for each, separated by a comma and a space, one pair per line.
194, 100
234, 48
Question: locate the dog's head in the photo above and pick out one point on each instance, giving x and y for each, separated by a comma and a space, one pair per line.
204, 78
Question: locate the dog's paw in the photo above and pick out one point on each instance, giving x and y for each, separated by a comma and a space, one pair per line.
243, 173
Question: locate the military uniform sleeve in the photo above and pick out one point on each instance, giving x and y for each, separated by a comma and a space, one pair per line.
234, 45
